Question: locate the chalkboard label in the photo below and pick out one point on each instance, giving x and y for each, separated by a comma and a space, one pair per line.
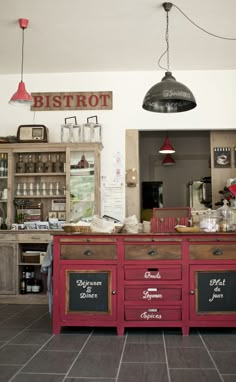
216, 291
88, 291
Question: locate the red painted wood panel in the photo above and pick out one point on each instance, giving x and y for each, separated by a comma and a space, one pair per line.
158, 272
153, 293
153, 313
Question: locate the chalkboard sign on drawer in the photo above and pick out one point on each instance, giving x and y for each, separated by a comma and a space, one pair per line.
88, 291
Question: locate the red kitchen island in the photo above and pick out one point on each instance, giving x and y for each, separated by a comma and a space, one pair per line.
144, 280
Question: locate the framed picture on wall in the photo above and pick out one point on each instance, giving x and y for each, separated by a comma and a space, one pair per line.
222, 157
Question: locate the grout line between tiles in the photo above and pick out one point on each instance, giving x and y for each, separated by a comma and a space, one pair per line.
77, 356
121, 357
167, 364
221, 378
49, 339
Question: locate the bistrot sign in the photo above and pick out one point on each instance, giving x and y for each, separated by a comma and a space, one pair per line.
72, 101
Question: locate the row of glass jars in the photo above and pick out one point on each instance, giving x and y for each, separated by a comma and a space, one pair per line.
29, 164
223, 219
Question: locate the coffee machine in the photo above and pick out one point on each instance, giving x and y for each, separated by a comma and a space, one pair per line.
200, 194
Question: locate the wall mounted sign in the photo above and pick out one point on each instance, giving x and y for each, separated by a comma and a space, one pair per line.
72, 101
222, 157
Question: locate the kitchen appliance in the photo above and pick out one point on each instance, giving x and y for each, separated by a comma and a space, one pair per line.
200, 194
32, 133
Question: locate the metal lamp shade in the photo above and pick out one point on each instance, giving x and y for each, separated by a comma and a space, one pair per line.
166, 148
169, 96
168, 161
21, 96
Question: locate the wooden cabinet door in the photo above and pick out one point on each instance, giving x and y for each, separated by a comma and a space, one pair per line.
88, 292
8, 279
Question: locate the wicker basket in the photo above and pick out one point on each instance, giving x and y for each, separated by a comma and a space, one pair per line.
76, 228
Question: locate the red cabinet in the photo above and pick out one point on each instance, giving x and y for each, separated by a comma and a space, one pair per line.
144, 280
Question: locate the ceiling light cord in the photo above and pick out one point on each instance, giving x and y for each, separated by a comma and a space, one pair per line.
22, 54
167, 51
202, 29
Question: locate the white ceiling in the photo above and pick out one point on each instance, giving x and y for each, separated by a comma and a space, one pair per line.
115, 35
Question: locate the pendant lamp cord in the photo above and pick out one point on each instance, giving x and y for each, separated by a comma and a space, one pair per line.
202, 29
22, 55
166, 52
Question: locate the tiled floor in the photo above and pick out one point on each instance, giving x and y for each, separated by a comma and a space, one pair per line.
30, 353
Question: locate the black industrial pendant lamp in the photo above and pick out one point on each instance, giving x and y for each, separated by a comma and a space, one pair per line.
168, 96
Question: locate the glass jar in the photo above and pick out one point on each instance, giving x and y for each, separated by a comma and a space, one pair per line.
233, 208
226, 217
209, 222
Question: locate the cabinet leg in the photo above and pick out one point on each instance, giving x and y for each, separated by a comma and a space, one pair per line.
185, 330
120, 331
56, 329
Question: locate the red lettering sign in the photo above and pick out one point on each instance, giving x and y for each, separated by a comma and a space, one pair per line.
72, 101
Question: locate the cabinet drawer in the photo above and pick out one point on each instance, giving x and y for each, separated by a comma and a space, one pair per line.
34, 237
154, 293
213, 251
9, 236
161, 272
88, 252
153, 252
163, 313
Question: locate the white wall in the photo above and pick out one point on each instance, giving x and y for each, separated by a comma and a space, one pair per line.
213, 91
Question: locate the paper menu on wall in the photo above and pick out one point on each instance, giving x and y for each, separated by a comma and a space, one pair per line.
113, 200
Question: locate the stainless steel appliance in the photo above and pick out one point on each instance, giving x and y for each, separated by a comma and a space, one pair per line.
200, 194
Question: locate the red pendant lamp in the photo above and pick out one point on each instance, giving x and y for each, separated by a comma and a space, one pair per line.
22, 97
166, 148
168, 160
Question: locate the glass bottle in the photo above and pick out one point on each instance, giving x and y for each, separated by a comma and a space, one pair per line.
39, 166
20, 165
23, 289
49, 164
1, 165
5, 165
30, 166
36, 286
58, 165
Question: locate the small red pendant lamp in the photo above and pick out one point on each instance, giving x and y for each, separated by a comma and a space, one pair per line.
166, 148
22, 97
168, 160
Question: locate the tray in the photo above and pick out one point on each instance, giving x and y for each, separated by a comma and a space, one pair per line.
187, 229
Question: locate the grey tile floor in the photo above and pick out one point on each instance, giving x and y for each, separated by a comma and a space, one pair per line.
29, 352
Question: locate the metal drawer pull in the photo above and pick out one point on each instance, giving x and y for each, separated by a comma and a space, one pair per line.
88, 252
152, 269
153, 310
152, 252
217, 252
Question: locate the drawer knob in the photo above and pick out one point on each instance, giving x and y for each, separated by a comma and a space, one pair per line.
88, 252
152, 252
191, 292
114, 292
217, 252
